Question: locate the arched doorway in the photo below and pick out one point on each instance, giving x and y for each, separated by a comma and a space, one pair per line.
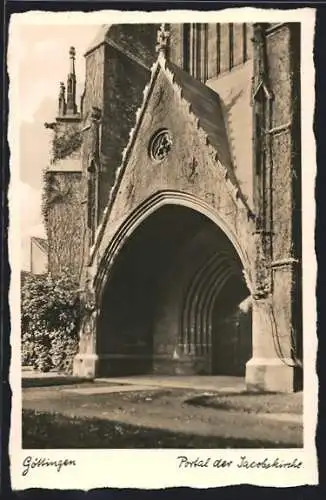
174, 300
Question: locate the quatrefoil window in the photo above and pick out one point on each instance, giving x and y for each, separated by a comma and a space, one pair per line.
160, 145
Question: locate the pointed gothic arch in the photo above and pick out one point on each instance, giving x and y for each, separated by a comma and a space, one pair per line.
160, 279
148, 207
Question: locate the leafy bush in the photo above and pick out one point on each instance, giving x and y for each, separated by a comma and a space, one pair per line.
50, 319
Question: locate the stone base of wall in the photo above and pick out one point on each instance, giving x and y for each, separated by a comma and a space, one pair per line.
86, 365
91, 365
273, 375
191, 365
266, 375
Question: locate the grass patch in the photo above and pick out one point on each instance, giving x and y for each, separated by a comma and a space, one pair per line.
251, 402
53, 381
59, 381
55, 431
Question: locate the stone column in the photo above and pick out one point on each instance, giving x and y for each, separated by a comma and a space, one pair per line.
274, 365
86, 361
277, 338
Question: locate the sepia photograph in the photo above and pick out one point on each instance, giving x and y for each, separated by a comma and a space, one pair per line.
161, 238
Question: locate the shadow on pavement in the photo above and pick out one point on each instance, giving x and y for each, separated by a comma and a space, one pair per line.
43, 430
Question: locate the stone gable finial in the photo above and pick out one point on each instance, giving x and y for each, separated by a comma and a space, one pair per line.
163, 36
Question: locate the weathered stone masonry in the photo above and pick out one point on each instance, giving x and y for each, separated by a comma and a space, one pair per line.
277, 299
191, 222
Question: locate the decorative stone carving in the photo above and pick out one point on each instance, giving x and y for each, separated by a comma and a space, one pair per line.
160, 145
163, 36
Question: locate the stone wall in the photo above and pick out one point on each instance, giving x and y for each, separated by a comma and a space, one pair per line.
62, 195
94, 81
135, 40
125, 81
116, 74
67, 141
65, 224
208, 50
284, 71
277, 354
285, 170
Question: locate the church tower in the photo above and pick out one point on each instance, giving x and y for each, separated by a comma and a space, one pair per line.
62, 183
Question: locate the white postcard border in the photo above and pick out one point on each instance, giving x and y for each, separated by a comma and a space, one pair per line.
150, 469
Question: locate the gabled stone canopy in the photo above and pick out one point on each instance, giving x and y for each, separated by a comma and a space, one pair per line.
198, 164
176, 182
206, 106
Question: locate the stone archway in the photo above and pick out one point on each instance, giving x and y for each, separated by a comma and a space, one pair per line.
165, 305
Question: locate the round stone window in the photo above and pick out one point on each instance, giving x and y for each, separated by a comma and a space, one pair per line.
160, 145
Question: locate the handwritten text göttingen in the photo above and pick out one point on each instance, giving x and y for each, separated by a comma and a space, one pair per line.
243, 463
33, 462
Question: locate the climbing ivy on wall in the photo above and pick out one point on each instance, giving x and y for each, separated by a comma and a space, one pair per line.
46, 195
66, 144
63, 146
53, 191
63, 217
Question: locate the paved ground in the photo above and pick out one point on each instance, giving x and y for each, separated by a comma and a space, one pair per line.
174, 404
202, 383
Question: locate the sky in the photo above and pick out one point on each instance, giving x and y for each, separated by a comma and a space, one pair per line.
43, 62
